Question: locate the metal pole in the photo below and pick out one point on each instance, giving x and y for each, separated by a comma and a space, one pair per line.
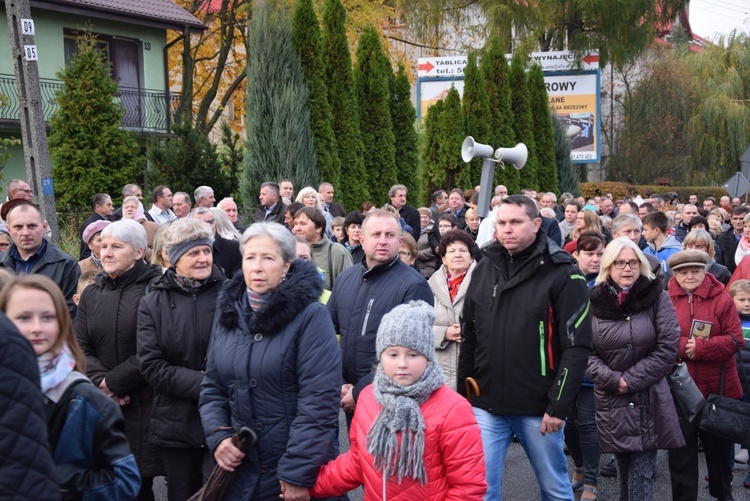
31, 115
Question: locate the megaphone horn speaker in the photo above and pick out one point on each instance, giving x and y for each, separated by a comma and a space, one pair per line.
470, 150
516, 155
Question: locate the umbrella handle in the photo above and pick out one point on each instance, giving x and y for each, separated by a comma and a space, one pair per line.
245, 439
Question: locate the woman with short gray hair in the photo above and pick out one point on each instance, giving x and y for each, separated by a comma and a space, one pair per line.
174, 327
273, 361
106, 325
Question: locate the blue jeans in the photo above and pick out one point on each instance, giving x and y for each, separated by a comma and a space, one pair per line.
545, 454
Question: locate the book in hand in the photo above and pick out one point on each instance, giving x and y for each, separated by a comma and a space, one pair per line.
700, 329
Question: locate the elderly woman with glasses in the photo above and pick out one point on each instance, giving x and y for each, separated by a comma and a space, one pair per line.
701, 240
635, 337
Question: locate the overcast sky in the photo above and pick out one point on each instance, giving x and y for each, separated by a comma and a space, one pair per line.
711, 17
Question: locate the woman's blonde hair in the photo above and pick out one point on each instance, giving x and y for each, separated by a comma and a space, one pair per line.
700, 237
67, 335
613, 250
591, 221
307, 191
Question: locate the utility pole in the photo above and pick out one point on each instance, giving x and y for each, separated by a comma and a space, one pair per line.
31, 116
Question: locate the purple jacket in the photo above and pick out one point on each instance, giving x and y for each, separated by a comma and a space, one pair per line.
636, 340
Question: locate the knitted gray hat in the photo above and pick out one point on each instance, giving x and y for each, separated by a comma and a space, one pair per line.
408, 325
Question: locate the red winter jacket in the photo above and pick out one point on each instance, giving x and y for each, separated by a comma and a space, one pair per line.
709, 303
453, 455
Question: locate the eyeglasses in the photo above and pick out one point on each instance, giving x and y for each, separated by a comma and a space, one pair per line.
620, 265
404, 253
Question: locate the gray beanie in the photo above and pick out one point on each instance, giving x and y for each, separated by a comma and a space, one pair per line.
408, 325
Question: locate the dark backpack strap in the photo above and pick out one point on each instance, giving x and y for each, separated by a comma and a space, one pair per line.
330, 269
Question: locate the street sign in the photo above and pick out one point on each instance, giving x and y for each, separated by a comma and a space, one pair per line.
737, 185
745, 162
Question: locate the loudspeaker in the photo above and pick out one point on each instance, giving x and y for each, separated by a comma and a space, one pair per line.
516, 155
470, 150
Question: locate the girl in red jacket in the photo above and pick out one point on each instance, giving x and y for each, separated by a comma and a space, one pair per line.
412, 437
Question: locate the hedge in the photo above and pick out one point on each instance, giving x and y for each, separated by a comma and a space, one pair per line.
621, 190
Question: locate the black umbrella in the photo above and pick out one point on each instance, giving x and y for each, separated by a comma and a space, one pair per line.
217, 483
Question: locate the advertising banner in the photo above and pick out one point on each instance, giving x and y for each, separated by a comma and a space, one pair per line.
573, 98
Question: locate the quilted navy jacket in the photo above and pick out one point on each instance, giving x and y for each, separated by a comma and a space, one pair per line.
277, 370
25, 461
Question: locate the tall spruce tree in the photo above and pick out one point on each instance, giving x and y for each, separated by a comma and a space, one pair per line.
523, 123
374, 97
567, 174
543, 133
279, 138
353, 188
309, 45
494, 68
477, 115
433, 177
403, 116
90, 150
452, 134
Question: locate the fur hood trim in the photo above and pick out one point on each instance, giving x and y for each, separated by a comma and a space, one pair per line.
643, 295
302, 286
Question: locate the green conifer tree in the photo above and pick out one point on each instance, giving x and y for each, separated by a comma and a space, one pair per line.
373, 98
279, 138
185, 160
543, 133
567, 174
403, 116
90, 151
494, 68
452, 134
478, 116
309, 46
523, 123
353, 188
433, 177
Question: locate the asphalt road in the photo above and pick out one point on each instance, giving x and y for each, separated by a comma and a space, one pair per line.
519, 483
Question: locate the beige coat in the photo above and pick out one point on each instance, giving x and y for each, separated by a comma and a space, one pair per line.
447, 313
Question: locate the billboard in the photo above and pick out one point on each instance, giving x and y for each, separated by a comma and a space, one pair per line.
573, 95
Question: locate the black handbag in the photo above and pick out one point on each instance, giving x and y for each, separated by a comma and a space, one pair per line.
688, 399
727, 418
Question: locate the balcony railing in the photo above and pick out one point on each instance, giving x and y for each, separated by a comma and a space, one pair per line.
145, 110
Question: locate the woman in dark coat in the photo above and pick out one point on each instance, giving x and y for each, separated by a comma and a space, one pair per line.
635, 345
708, 320
106, 325
274, 365
174, 326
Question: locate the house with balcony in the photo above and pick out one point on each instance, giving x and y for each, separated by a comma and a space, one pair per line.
133, 34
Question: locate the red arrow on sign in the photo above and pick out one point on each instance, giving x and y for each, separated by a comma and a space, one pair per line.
591, 58
426, 67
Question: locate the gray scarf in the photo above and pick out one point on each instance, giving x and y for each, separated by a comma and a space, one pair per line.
401, 413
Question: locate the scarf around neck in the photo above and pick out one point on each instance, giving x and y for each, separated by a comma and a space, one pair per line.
454, 283
401, 413
54, 368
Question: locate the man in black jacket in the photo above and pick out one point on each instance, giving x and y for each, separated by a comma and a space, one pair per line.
526, 340
271, 209
366, 291
397, 198
103, 209
728, 240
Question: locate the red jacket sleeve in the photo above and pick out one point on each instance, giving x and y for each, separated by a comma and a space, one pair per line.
344, 473
719, 348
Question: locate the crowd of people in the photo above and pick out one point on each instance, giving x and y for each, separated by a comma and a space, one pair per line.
443, 337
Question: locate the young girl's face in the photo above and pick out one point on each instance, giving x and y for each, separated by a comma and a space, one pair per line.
403, 365
33, 313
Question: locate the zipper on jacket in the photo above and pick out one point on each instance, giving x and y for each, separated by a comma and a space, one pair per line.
494, 294
541, 348
561, 382
367, 316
